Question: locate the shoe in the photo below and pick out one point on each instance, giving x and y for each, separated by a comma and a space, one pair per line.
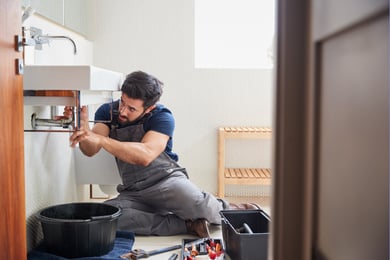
243, 206
198, 227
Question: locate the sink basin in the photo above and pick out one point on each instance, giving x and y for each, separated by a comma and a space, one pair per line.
71, 77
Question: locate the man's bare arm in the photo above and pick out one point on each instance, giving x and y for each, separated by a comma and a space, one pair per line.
140, 153
90, 147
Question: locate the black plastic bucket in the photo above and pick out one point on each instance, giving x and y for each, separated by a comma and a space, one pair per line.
79, 229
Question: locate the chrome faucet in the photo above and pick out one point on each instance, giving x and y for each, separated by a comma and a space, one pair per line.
37, 39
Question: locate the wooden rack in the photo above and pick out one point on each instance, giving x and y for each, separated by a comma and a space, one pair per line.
240, 176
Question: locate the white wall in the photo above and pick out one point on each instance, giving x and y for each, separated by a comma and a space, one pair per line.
49, 162
158, 37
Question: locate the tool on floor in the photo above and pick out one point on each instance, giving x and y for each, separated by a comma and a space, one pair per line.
173, 256
196, 242
140, 253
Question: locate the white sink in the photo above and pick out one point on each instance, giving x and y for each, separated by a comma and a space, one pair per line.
70, 77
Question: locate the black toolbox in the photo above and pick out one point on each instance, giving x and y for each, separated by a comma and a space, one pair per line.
245, 234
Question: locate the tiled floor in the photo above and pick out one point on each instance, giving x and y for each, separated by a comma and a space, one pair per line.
157, 242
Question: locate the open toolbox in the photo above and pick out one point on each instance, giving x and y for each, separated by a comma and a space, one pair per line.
245, 234
204, 248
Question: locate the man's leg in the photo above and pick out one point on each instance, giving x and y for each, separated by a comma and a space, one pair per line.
177, 194
142, 220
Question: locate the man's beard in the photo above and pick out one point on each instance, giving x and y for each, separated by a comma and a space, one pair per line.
127, 121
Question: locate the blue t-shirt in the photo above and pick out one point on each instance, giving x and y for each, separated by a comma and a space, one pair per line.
160, 120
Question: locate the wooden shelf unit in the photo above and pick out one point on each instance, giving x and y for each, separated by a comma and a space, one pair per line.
240, 176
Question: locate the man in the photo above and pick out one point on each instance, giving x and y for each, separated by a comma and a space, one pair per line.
156, 195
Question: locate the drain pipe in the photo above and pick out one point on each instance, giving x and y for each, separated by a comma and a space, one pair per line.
64, 123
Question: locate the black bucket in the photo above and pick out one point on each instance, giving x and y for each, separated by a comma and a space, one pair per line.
79, 229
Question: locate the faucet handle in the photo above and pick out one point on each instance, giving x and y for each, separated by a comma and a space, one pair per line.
34, 32
29, 36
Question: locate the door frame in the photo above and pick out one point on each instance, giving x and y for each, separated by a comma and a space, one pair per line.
293, 135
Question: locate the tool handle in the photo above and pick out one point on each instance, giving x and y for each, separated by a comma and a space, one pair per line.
247, 228
173, 256
163, 250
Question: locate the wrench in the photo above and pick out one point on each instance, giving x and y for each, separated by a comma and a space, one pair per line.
140, 253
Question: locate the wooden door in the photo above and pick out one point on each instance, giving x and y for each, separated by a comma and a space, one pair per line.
331, 184
12, 198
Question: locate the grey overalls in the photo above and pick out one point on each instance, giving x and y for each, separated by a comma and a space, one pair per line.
158, 198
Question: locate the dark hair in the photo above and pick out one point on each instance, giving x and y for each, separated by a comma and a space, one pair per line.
140, 85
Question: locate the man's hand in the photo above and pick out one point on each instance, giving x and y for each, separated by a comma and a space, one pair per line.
84, 134
84, 131
68, 113
89, 140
